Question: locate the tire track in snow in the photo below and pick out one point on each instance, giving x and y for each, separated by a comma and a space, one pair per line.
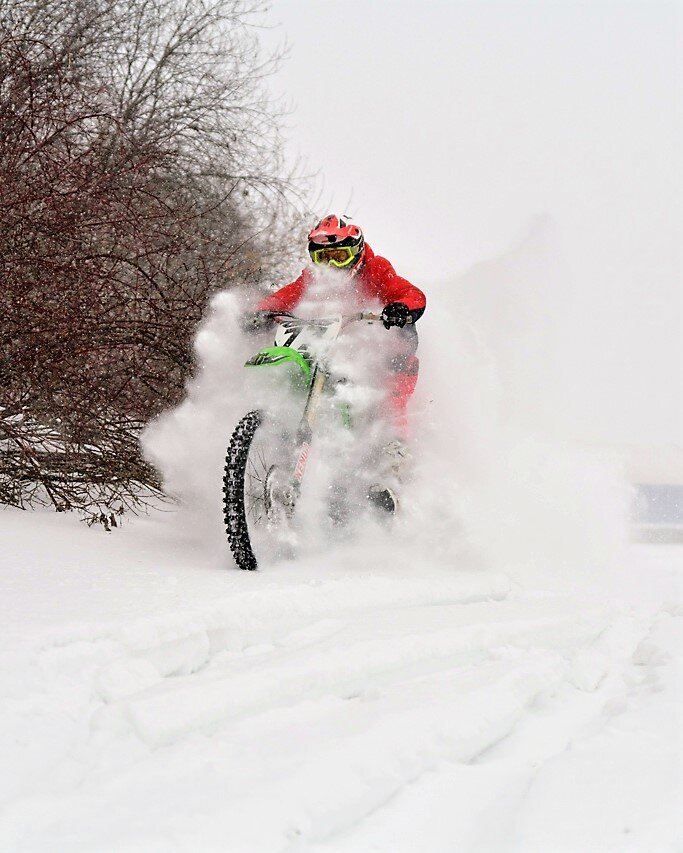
325, 702
341, 666
51, 689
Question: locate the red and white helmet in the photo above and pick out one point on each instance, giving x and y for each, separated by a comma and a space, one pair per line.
336, 241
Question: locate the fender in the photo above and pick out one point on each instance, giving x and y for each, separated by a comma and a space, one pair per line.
279, 355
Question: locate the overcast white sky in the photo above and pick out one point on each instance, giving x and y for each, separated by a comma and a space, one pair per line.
443, 128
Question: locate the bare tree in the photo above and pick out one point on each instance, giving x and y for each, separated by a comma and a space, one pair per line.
139, 173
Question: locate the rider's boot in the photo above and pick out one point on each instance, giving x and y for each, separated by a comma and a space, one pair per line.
383, 498
394, 460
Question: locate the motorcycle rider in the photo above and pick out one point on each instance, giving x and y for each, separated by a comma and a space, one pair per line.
336, 242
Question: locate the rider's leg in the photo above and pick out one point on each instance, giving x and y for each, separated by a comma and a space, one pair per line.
404, 368
401, 388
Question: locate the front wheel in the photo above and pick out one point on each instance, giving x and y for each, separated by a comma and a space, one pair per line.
257, 497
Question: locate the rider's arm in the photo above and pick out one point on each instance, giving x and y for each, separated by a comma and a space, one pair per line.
286, 297
391, 287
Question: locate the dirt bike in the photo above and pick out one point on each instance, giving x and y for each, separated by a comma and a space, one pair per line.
266, 459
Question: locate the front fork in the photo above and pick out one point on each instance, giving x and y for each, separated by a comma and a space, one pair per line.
304, 433
285, 496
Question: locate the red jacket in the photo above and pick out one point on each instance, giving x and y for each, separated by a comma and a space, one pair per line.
376, 279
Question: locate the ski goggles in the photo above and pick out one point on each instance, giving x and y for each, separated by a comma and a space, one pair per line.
337, 256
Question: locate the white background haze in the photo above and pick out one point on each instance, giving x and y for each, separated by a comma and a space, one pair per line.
446, 128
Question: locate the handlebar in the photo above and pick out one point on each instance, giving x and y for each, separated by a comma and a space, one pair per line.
368, 316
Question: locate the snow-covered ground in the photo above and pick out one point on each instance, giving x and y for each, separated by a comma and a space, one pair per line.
495, 672
156, 699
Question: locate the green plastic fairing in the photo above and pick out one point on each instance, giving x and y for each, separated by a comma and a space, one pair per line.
279, 355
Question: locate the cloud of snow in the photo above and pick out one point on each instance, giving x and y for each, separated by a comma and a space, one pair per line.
531, 491
495, 479
188, 444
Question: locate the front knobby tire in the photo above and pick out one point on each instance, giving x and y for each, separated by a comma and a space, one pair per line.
235, 509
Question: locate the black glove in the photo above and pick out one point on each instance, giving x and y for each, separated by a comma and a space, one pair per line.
255, 321
395, 314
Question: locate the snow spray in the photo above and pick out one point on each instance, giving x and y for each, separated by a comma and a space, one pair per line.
493, 482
